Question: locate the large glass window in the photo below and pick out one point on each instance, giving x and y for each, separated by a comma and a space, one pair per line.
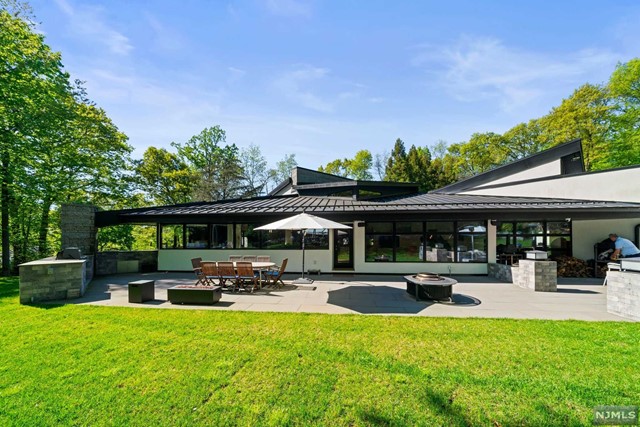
197, 236
379, 242
277, 239
519, 237
221, 236
246, 237
317, 239
171, 236
439, 241
426, 241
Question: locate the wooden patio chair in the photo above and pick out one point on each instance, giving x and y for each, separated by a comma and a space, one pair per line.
196, 264
245, 275
263, 258
274, 276
234, 258
227, 273
210, 271
250, 258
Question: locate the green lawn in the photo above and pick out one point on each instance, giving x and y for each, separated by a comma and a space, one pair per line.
82, 365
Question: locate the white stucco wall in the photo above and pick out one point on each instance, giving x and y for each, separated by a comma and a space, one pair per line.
618, 185
542, 171
588, 233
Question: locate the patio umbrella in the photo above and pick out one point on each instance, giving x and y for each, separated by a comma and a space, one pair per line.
303, 222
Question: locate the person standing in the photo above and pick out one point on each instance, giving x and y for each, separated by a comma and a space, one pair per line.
624, 247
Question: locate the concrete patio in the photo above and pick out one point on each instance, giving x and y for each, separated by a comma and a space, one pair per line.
474, 296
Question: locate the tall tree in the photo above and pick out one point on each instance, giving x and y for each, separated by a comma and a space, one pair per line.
418, 168
483, 152
357, 168
283, 169
165, 177
624, 88
218, 167
396, 170
34, 91
380, 164
255, 172
586, 114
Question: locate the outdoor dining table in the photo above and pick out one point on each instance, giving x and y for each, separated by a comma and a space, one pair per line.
258, 266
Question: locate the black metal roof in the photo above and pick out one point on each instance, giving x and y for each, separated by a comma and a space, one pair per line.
444, 206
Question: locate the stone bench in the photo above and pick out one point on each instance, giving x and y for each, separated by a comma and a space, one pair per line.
188, 294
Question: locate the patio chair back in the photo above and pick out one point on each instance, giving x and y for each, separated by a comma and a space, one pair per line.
245, 274
263, 258
210, 271
196, 262
227, 273
250, 258
234, 258
276, 275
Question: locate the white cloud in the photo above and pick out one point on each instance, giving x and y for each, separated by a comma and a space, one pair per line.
289, 8
475, 69
89, 23
294, 85
166, 37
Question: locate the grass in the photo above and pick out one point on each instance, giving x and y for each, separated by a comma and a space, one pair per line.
90, 365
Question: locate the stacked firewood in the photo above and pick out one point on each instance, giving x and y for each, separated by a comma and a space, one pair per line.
572, 267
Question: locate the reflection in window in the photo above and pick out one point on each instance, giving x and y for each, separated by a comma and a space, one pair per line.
246, 237
197, 236
379, 247
409, 248
171, 236
277, 239
317, 239
221, 236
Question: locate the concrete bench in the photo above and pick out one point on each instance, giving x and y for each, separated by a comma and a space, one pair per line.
187, 294
141, 291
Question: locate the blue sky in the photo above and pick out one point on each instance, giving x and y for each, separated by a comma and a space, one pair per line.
324, 79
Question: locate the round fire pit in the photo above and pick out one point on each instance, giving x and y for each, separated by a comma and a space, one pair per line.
430, 286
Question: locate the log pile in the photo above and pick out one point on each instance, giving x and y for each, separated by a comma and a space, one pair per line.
572, 267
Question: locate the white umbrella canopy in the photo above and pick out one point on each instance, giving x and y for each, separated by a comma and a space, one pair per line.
303, 222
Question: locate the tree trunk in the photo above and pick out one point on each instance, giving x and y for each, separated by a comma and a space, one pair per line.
5, 200
43, 249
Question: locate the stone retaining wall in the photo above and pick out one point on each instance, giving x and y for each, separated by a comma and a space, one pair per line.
50, 279
502, 272
623, 294
114, 262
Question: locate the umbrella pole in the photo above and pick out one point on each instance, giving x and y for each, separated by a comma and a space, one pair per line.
304, 233
302, 280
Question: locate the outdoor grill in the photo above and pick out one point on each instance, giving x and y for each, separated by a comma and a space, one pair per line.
430, 286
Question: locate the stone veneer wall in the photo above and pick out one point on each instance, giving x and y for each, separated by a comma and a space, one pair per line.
537, 275
114, 262
623, 294
501, 272
50, 279
77, 224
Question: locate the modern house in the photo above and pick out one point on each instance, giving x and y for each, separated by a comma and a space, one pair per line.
546, 201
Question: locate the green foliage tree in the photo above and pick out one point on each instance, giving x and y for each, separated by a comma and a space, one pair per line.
395, 170
34, 91
624, 88
357, 168
586, 114
283, 169
254, 169
218, 167
165, 177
